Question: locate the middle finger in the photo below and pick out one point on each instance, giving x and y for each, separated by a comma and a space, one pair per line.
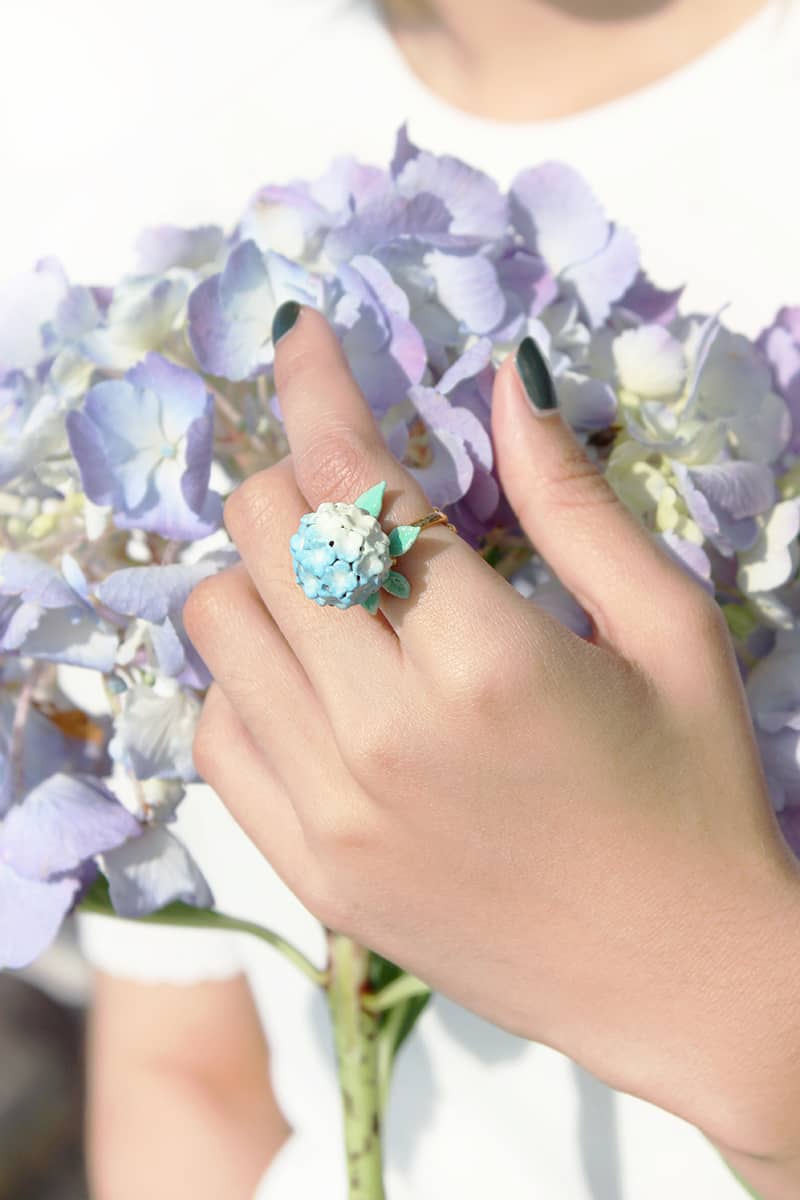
338, 452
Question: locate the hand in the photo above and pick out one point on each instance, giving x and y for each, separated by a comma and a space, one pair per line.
570, 837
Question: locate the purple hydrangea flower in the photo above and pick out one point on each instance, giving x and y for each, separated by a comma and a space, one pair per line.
162, 247
45, 748
230, 314
154, 731
141, 315
144, 446
31, 426
773, 692
448, 447
774, 555
735, 390
148, 872
156, 596
725, 498
47, 847
28, 303
588, 403
528, 288
45, 615
781, 345
294, 218
385, 351
393, 222
650, 304
559, 218
477, 207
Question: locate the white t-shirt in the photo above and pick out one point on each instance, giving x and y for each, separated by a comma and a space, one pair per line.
113, 117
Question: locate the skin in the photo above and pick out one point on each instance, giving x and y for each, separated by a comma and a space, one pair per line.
178, 1092
479, 58
617, 887
532, 60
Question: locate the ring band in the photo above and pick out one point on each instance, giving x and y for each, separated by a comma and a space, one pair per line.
343, 556
434, 517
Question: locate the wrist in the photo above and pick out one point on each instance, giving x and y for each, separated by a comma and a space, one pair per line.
765, 1178
749, 1104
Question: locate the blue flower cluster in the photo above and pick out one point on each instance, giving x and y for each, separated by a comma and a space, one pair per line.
341, 555
127, 412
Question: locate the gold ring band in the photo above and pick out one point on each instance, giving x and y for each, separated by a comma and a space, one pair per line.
435, 517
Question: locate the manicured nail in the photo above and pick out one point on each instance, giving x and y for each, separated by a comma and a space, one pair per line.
285, 316
535, 375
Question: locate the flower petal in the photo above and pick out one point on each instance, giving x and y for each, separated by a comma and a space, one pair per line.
60, 824
32, 911
152, 871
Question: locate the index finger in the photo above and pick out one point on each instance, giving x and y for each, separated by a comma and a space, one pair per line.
339, 452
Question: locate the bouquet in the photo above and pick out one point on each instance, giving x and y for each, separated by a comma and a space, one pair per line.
129, 411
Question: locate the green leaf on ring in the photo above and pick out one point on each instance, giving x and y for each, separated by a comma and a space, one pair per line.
372, 500
402, 538
371, 603
397, 585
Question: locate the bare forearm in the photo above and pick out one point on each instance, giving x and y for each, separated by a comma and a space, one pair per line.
180, 1095
160, 1132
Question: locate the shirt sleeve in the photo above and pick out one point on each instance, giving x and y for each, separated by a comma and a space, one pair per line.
152, 953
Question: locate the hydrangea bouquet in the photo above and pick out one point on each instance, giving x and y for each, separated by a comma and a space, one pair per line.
128, 412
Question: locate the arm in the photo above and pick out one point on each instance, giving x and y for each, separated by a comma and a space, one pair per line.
179, 1091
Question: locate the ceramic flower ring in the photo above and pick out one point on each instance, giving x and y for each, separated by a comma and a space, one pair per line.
342, 556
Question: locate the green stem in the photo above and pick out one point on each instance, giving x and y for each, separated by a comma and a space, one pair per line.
97, 901
356, 1037
405, 987
387, 1048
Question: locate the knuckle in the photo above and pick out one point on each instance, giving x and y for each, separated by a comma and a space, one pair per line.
340, 836
476, 683
700, 618
697, 622
250, 505
333, 466
576, 483
202, 610
374, 751
205, 743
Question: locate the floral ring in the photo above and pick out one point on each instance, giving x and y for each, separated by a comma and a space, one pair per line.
343, 556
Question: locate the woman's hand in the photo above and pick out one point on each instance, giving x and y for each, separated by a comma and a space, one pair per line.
572, 838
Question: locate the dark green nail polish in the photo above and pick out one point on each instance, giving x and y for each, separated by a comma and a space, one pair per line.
535, 375
285, 316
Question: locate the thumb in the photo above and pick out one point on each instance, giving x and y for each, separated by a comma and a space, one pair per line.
609, 562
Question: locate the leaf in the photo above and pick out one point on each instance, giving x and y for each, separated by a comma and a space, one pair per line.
402, 538
412, 1011
371, 603
395, 1024
372, 500
381, 973
397, 585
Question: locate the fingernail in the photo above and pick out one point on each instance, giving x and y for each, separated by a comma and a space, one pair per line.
535, 375
285, 316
